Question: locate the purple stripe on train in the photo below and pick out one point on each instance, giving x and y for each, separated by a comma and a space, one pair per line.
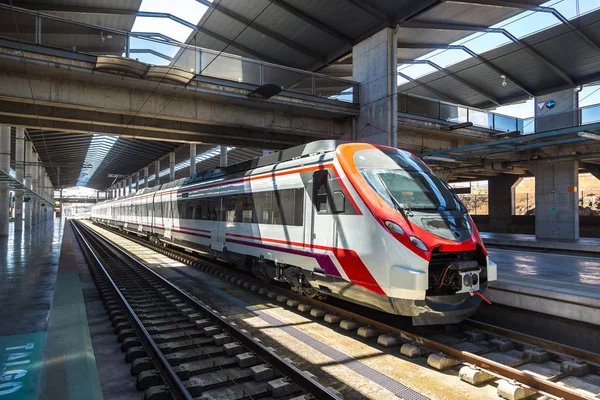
323, 259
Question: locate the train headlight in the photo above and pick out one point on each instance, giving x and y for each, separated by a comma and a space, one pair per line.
394, 227
418, 243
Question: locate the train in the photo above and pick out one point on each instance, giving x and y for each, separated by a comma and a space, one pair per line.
365, 223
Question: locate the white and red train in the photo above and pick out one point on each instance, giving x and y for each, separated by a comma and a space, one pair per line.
369, 224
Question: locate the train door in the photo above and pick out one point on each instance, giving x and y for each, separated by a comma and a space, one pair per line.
218, 207
152, 208
168, 215
319, 215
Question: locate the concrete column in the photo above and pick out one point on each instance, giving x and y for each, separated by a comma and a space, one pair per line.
500, 202
130, 185
146, 177
157, 173
192, 159
171, 166
556, 110
28, 179
223, 157
4, 186
20, 175
137, 181
556, 199
35, 203
375, 67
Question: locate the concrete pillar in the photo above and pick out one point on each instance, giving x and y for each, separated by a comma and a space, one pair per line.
146, 177
28, 180
375, 67
556, 199
223, 157
20, 175
4, 186
35, 203
556, 110
130, 185
171, 166
500, 202
157, 173
192, 159
137, 181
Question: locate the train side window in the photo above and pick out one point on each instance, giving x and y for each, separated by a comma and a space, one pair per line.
320, 189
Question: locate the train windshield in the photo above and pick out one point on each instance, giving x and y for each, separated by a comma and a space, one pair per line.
404, 181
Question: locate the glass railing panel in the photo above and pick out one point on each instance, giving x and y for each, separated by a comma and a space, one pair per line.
80, 38
153, 52
452, 113
481, 118
423, 107
334, 89
505, 123
25, 22
590, 114
528, 126
290, 80
227, 67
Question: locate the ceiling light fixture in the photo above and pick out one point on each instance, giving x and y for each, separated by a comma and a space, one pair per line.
503, 80
588, 135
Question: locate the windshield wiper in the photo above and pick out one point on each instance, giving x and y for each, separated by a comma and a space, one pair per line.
399, 207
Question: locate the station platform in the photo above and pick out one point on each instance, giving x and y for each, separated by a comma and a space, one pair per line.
586, 245
562, 285
45, 346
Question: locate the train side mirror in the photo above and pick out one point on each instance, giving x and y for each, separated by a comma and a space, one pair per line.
338, 205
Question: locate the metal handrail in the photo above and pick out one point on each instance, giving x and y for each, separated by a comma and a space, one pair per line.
179, 44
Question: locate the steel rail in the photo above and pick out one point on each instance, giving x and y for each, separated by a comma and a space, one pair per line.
169, 376
554, 347
500, 370
286, 369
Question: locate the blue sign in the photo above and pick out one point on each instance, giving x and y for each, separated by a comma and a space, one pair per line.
550, 104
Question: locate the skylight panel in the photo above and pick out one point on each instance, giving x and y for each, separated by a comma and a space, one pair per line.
482, 42
416, 71
188, 10
449, 57
166, 26
529, 23
99, 147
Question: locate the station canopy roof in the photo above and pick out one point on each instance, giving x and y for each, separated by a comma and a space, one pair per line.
451, 50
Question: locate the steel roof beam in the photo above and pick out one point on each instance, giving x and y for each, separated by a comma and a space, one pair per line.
482, 28
371, 10
313, 21
470, 52
440, 94
456, 77
245, 49
274, 35
534, 8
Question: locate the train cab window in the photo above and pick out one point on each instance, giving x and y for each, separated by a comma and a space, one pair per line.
320, 190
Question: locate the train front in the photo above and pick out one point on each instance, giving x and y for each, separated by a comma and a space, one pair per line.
423, 248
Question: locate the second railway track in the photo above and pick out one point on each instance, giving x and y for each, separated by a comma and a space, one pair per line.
178, 347
474, 346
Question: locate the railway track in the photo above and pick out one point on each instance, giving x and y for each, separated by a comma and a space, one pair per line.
483, 353
178, 347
